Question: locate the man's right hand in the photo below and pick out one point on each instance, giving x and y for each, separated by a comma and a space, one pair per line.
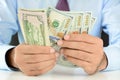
33, 60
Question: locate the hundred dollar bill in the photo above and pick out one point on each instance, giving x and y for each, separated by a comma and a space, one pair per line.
58, 22
93, 20
34, 27
87, 22
77, 22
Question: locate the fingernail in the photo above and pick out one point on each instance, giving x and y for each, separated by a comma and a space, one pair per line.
60, 42
52, 50
66, 37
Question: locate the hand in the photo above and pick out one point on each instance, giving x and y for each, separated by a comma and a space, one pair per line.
33, 60
85, 51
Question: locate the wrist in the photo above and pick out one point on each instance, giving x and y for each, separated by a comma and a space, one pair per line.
103, 64
10, 59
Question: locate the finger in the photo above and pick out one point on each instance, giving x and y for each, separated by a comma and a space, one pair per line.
88, 67
46, 69
81, 37
40, 65
77, 54
32, 49
35, 66
39, 72
77, 45
78, 62
38, 58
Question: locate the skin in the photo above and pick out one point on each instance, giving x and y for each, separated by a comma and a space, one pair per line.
85, 51
33, 60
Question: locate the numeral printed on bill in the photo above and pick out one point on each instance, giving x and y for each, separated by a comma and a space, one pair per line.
46, 27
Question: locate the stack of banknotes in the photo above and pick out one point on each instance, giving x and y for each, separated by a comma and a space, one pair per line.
46, 27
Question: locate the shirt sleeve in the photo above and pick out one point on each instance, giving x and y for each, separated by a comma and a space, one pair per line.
111, 25
3, 64
8, 27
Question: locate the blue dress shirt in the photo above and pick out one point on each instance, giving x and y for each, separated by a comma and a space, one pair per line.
107, 13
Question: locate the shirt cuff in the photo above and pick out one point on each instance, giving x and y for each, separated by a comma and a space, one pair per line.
113, 55
3, 63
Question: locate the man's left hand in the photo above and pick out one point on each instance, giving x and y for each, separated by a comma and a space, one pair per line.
85, 51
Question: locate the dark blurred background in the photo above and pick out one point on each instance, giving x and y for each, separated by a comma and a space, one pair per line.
104, 36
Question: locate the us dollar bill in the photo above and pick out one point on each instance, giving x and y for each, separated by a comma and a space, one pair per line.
58, 22
77, 22
34, 27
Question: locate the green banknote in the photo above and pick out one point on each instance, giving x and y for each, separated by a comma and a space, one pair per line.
58, 22
34, 27
77, 22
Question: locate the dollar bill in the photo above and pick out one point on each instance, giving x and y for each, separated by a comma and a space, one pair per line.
77, 22
86, 22
58, 22
34, 27
93, 20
